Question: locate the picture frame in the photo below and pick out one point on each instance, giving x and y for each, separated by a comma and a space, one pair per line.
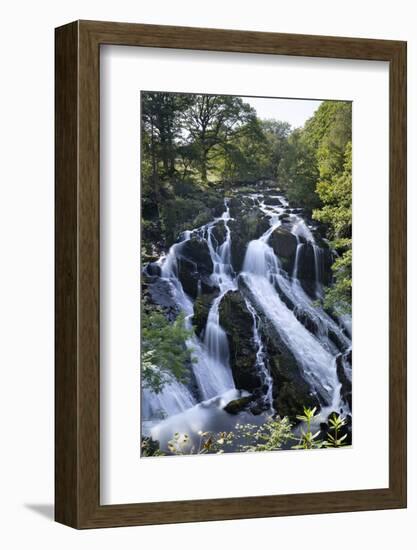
77, 222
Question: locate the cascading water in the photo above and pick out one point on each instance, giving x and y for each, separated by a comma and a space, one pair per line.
215, 338
261, 361
300, 229
269, 293
262, 274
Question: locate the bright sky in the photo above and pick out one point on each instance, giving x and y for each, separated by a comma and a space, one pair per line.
294, 111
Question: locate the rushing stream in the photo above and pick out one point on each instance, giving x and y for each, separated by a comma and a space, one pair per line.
281, 306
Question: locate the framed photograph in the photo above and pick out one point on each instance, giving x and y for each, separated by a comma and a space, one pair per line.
230, 274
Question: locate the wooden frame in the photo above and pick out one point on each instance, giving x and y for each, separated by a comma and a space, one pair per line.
77, 274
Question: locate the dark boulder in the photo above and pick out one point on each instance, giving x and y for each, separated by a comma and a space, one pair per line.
284, 244
311, 257
273, 201
160, 293
153, 269
194, 266
237, 322
306, 263
346, 389
196, 250
201, 310
290, 390
239, 205
189, 276
306, 320
250, 225
238, 405
306, 272
337, 339
219, 232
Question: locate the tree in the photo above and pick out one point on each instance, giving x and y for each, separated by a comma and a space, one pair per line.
212, 122
336, 195
298, 171
162, 126
276, 134
330, 129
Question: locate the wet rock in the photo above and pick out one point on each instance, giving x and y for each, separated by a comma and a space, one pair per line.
250, 225
196, 250
273, 201
346, 389
337, 339
306, 263
189, 276
239, 205
238, 405
153, 269
201, 310
306, 320
160, 293
284, 244
290, 390
237, 322
194, 266
219, 232
206, 286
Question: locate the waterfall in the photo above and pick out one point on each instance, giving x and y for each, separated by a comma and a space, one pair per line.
301, 229
297, 259
271, 295
261, 362
314, 353
210, 364
173, 399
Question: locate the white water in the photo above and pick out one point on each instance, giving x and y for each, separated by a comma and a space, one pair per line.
190, 408
262, 273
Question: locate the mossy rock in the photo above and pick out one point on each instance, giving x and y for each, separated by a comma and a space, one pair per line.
196, 250
250, 225
219, 232
202, 307
237, 322
238, 405
291, 391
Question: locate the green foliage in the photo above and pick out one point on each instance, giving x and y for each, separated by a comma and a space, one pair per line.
149, 447
308, 439
178, 213
194, 143
298, 172
271, 436
164, 353
335, 191
336, 423
213, 122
